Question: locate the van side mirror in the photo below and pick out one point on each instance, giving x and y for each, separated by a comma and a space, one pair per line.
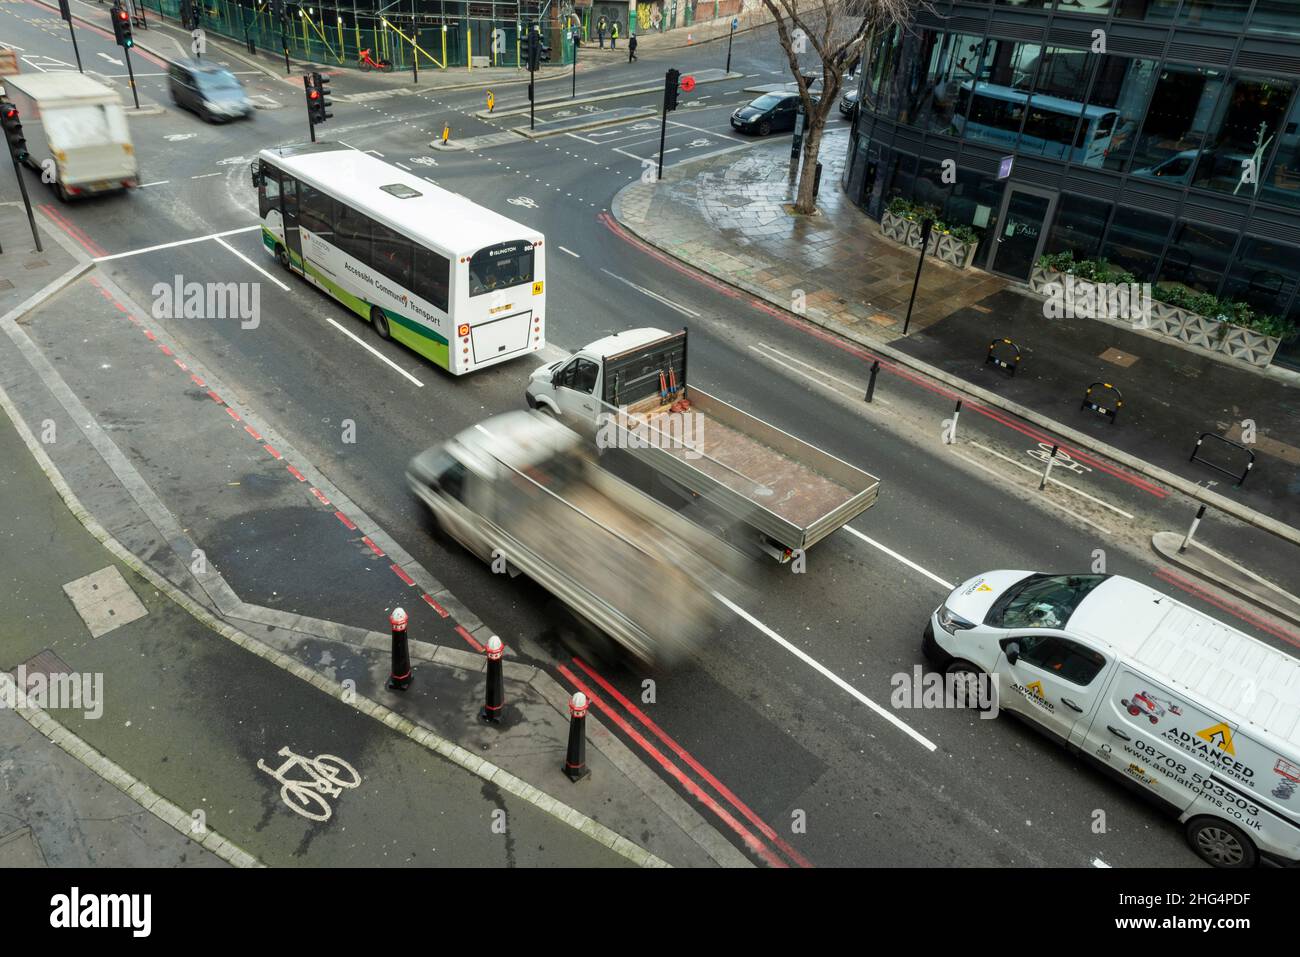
1013, 653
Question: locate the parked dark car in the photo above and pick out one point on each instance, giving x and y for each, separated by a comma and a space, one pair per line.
770, 113
849, 103
210, 91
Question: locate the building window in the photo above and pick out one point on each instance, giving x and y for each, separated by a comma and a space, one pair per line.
1135, 240
1276, 16
1249, 119
1146, 9
1080, 223
1214, 14
992, 108
1197, 258
902, 176
1052, 121
1281, 184
954, 60
1123, 86
1169, 146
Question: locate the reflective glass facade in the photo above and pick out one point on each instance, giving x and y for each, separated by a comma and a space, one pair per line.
1163, 135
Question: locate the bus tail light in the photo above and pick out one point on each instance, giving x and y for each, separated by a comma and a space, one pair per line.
463, 330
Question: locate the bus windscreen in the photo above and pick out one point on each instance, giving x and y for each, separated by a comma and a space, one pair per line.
500, 267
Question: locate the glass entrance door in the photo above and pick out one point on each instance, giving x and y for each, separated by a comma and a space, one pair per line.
1022, 230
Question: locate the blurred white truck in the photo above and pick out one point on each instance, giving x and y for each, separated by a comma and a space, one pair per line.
76, 131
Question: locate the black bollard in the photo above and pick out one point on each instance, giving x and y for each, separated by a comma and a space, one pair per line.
496, 688
871, 383
575, 762
400, 678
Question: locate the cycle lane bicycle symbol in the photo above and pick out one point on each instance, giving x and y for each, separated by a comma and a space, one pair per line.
329, 776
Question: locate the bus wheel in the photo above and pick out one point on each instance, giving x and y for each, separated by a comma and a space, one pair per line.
379, 321
1221, 844
282, 256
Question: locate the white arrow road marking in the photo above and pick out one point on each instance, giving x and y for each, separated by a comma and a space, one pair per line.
113, 60
653, 295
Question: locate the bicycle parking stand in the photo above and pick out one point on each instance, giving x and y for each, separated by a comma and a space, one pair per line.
1099, 405
1007, 365
1195, 457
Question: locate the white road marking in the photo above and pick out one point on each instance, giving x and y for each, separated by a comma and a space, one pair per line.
1064, 485
402, 166
1098, 862
1046, 501
250, 262
204, 175
161, 182
855, 388
901, 558
828, 674
374, 352
179, 242
570, 252
654, 295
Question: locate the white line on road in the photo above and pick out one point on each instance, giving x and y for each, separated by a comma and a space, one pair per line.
1046, 501
205, 175
373, 351
901, 558
161, 182
1064, 485
828, 674
570, 252
855, 389
179, 242
250, 262
1098, 862
400, 166
653, 295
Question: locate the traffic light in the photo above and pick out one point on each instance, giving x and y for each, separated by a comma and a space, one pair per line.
538, 52
671, 79
122, 27
13, 127
318, 89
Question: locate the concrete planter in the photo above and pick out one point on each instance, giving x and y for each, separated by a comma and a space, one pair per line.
945, 248
1173, 322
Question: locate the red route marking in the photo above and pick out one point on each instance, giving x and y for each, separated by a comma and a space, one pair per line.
294, 472
695, 766
373, 547
215, 398
831, 339
150, 336
1193, 589
320, 495
460, 630
273, 452
233, 414
165, 350
752, 842
181, 365
347, 522
253, 432
86, 243
396, 570
435, 606
197, 381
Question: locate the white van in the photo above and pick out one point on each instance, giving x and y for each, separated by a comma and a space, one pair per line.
1194, 713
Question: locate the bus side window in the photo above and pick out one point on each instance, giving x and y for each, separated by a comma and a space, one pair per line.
352, 232
430, 280
289, 186
391, 254
268, 195
315, 212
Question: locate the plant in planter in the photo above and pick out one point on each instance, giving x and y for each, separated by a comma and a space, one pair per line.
952, 244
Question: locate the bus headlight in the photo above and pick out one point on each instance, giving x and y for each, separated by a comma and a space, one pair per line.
951, 622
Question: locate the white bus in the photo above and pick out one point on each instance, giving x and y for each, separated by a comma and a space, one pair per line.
459, 284
1049, 129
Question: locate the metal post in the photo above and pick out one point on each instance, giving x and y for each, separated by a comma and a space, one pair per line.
956, 414
1200, 513
663, 134
131, 73
1047, 469
871, 382
729, 36
573, 33
926, 227
495, 696
73, 33
22, 188
415, 46
575, 759
400, 677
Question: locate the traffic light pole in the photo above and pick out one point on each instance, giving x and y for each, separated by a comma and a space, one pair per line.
574, 92
663, 132
729, 36
22, 188
74, 47
131, 73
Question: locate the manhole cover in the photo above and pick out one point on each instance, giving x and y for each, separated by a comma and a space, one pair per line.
1121, 359
104, 601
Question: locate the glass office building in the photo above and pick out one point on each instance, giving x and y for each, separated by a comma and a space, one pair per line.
1161, 135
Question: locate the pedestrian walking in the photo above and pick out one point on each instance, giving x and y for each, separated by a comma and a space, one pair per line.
631, 48
613, 37
600, 35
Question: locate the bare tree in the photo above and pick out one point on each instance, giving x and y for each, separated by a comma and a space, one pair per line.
836, 31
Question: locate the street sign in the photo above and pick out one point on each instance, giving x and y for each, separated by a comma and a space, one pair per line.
1004, 167
734, 23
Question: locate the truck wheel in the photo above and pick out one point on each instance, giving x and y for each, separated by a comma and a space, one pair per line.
379, 321
578, 637
63, 194
971, 674
1221, 844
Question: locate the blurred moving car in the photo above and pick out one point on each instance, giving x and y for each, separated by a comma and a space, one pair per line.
212, 92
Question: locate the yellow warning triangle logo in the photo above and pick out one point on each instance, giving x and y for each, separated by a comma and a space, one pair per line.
1219, 735
984, 588
1035, 688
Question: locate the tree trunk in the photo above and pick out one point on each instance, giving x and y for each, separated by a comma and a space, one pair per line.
806, 202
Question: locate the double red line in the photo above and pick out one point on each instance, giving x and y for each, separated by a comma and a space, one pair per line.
76, 232
757, 835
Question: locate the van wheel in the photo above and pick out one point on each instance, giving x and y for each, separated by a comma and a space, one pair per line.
578, 637
379, 321
1221, 844
282, 256
63, 194
971, 675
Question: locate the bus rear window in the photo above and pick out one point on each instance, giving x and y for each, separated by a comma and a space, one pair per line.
500, 267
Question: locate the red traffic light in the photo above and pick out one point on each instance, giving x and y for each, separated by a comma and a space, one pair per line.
688, 83
315, 95
123, 15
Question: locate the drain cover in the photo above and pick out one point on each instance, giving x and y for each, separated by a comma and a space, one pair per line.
104, 600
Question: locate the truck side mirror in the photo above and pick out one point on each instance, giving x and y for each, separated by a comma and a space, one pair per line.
1013, 653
